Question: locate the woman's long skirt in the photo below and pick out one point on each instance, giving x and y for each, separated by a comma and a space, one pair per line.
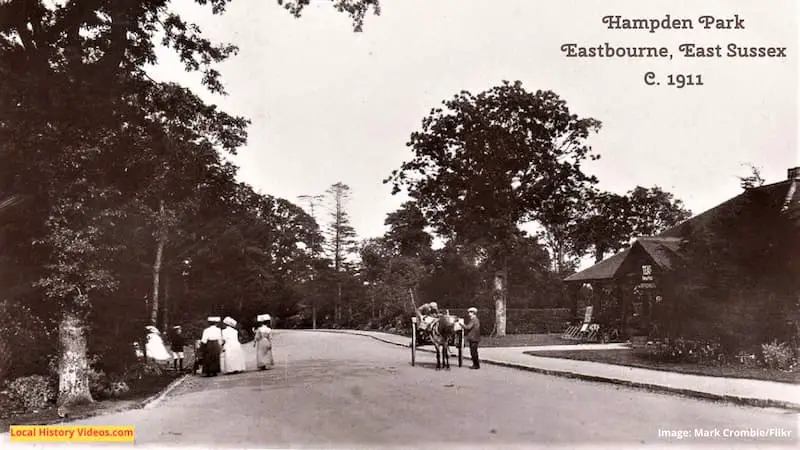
211, 358
264, 354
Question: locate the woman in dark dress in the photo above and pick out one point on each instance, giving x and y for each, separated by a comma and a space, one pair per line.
212, 340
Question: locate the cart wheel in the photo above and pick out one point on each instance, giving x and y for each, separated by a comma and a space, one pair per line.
461, 348
413, 342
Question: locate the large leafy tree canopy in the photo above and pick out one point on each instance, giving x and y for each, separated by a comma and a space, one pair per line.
407, 230
98, 158
485, 163
611, 220
86, 133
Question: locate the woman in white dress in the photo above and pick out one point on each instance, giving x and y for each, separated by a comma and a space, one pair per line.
263, 343
155, 347
232, 352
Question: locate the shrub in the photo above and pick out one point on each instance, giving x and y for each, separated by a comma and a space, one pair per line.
28, 340
99, 384
142, 370
746, 359
32, 392
5, 360
103, 386
682, 350
777, 356
119, 388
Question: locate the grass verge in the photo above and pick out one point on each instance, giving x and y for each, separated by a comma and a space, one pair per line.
628, 358
525, 340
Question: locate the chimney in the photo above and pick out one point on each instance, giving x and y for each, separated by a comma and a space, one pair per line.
794, 173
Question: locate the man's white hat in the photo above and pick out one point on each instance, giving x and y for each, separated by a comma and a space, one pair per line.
263, 318
151, 329
213, 319
229, 322
473, 310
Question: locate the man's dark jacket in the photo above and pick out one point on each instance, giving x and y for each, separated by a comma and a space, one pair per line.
473, 329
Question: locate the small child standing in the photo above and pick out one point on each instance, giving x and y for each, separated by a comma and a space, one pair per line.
177, 344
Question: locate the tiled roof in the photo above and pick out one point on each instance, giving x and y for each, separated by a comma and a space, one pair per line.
786, 192
661, 249
604, 270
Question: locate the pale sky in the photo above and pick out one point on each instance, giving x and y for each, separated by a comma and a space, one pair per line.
330, 105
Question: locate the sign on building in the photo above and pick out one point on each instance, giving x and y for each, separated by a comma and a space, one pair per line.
647, 273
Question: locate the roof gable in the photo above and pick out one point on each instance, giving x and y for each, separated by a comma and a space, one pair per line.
785, 193
665, 247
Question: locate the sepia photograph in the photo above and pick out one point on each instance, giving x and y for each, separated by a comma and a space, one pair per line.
347, 224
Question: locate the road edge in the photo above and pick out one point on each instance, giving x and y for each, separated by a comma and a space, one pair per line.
155, 399
746, 401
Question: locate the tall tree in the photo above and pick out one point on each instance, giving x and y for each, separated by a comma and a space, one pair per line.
485, 163
68, 71
612, 220
653, 210
407, 230
607, 226
313, 201
341, 238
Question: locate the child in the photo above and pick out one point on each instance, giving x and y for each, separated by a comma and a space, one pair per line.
177, 343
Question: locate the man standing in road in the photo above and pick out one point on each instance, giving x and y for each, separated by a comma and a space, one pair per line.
473, 329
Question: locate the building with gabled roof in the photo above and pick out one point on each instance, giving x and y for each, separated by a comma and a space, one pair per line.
627, 283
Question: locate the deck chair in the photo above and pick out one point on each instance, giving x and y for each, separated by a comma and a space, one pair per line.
589, 331
571, 332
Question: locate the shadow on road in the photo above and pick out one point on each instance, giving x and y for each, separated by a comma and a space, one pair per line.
432, 365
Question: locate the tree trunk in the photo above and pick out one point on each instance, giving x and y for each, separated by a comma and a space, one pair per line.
499, 294
162, 240
314, 313
165, 316
73, 367
599, 252
338, 313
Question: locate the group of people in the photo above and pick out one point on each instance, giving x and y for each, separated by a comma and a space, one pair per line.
157, 350
429, 312
219, 349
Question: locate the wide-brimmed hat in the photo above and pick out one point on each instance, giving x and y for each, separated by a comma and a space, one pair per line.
151, 329
229, 321
473, 310
263, 317
213, 319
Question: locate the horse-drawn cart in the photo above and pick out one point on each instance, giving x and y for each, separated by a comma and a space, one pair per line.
422, 337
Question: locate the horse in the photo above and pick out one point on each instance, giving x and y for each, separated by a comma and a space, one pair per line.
442, 330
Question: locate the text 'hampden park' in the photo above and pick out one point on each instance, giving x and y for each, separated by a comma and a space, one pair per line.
687, 50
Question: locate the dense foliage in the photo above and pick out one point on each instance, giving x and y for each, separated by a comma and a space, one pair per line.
116, 198
739, 275
118, 208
